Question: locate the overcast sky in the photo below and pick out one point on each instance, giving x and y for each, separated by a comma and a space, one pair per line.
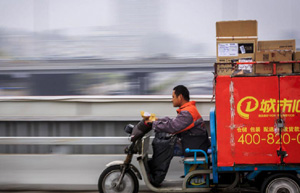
191, 20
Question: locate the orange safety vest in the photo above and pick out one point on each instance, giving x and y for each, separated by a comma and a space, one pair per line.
191, 108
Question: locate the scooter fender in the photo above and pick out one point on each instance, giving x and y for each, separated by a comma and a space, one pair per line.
113, 163
132, 167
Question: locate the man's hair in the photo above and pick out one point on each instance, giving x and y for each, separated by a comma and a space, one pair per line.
180, 89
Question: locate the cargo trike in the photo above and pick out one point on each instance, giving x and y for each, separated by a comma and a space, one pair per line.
255, 141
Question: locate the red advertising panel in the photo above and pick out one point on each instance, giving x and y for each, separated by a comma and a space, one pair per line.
247, 109
290, 111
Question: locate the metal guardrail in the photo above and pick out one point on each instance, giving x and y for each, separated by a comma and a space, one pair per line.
35, 125
64, 141
102, 98
90, 108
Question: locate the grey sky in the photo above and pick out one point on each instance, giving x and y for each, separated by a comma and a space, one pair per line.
176, 15
56, 14
190, 20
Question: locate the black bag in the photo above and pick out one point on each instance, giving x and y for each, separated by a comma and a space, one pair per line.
163, 152
194, 142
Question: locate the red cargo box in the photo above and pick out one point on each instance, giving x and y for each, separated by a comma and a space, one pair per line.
246, 112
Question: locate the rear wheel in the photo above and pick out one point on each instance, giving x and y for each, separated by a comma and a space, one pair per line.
109, 177
281, 183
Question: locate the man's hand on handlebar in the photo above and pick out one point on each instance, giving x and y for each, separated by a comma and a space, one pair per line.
148, 121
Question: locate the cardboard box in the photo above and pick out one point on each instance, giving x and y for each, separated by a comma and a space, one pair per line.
272, 56
276, 45
233, 29
236, 49
225, 69
284, 68
264, 68
268, 68
224, 60
232, 69
236, 39
296, 56
296, 66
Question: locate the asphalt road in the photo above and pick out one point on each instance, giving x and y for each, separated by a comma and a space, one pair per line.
74, 191
56, 192
92, 192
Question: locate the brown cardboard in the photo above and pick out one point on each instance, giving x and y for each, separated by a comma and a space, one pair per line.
284, 68
268, 68
264, 68
229, 68
296, 67
296, 56
239, 48
276, 45
236, 40
233, 29
224, 69
224, 60
274, 56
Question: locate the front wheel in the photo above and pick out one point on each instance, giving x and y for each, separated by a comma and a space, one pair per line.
281, 183
109, 177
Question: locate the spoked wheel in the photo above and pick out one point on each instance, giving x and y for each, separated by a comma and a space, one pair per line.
281, 183
109, 178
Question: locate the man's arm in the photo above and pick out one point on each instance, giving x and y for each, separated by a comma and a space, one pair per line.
168, 125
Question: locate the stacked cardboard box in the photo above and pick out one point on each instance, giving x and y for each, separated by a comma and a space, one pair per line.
275, 51
236, 41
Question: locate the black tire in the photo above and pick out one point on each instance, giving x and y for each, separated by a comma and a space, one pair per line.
281, 183
111, 174
258, 182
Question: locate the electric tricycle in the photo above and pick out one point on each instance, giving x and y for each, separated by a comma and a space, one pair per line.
122, 176
255, 140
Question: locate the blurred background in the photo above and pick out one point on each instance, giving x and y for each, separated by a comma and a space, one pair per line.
123, 47
83, 69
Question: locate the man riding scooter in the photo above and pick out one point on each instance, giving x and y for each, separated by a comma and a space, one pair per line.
188, 125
